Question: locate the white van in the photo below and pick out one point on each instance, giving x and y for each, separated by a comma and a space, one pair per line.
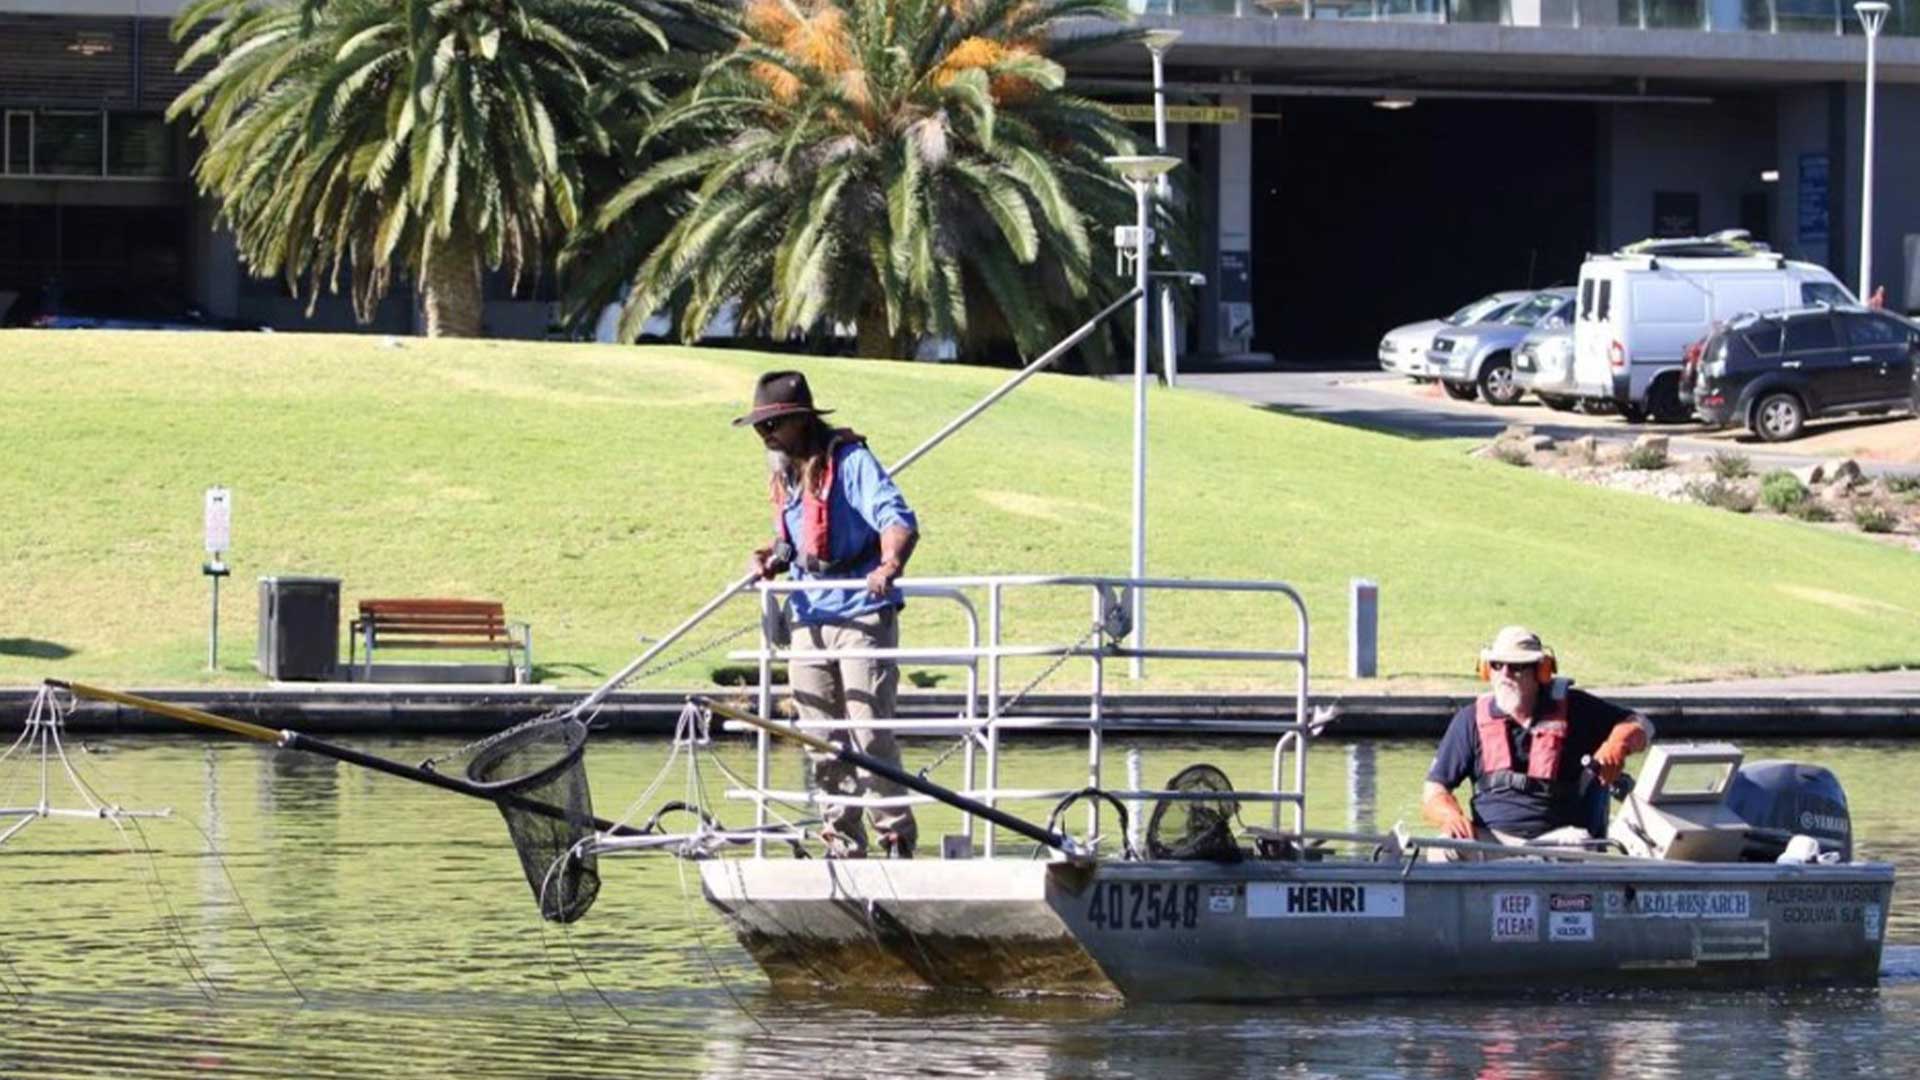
1640, 308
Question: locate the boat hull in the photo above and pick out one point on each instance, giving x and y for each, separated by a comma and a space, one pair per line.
1255, 931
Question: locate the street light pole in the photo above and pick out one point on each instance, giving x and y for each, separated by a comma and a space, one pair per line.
1872, 13
1140, 172
1158, 42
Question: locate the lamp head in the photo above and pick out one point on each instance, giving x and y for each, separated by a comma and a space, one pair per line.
1160, 40
1142, 168
1872, 13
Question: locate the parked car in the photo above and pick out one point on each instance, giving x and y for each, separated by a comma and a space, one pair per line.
1641, 307
1404, 349
55, 307
1543, 364
1477, 361
1774, 372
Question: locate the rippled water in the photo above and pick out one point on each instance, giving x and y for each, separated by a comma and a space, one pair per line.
351, 924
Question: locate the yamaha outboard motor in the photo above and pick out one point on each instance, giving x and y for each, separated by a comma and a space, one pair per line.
1781, 799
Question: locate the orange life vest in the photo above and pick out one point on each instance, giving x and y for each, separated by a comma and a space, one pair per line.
1549, 732
814, 552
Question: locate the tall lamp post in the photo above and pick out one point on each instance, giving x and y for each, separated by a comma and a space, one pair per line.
1140, 172
1872, 14
1158, 42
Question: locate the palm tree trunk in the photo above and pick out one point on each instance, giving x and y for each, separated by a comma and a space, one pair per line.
453, 299
873, 341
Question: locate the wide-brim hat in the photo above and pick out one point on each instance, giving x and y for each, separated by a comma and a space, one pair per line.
777, 394
1514, 645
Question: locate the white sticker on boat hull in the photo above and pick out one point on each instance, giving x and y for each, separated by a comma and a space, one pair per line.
1684, 904
1516, 916
1325, 900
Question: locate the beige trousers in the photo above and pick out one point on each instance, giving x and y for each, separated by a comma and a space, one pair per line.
854, 688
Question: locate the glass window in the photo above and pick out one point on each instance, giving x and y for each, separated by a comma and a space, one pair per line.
1823, 292
139, 145
1763, 338
1606, 299
1809, 334
67, 143
1484, 308
1532, 310
1868, 330
19, 139
1586, 299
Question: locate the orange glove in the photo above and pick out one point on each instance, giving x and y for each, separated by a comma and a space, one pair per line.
1627, 737
1443, 810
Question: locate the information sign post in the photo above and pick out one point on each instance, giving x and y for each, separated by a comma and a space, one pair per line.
219, 529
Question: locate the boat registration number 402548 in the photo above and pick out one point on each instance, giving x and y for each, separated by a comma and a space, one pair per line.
1144, 905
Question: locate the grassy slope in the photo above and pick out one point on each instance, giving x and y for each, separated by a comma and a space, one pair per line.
600, 493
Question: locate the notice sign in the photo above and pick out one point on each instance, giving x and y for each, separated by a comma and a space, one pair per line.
1570, 917
1516, 916
1325, 900
219, 519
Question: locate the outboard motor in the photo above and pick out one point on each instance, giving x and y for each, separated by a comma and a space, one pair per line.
1780, 799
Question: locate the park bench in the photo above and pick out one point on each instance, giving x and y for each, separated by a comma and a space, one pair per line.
430, 623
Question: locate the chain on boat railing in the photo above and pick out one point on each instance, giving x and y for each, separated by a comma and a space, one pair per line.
1293, 734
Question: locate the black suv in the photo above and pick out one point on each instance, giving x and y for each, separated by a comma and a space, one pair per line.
1774, 372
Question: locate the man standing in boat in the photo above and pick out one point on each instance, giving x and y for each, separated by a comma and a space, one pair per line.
837, 514
1522, 744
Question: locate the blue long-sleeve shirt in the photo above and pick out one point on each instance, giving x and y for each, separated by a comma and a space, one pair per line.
864, 503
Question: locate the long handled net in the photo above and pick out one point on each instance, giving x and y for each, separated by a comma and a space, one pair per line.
542, 764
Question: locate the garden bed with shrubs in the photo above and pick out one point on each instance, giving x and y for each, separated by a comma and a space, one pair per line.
1834, 493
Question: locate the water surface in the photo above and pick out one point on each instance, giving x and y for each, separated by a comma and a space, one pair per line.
299, 917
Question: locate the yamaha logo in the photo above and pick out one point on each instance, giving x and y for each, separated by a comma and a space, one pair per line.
1832, 823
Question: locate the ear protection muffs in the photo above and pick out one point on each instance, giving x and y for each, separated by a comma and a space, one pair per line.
1543, 671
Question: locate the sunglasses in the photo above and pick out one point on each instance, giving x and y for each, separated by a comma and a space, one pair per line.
1511, 665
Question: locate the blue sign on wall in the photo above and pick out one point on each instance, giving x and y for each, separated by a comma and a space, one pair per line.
1813, 198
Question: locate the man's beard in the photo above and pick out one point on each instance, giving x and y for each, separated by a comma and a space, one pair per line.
780, 465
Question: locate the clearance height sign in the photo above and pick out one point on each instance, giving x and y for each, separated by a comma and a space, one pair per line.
1179, 114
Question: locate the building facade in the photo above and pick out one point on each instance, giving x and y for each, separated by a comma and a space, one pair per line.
1352, 164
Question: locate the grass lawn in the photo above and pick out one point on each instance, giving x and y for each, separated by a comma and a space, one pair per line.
599, 492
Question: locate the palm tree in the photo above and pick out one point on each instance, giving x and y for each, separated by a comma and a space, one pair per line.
911, 168
433, 137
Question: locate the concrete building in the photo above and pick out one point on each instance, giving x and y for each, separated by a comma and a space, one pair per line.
1354, 164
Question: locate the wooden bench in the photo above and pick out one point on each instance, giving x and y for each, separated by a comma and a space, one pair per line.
432, 623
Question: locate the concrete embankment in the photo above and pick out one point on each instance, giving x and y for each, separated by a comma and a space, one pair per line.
466, 710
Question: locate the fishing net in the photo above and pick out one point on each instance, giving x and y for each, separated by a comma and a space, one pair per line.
1195, 827
537, 776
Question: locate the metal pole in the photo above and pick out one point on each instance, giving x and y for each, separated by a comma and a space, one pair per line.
1169, 346
213, 638
1142, 254
1872, 13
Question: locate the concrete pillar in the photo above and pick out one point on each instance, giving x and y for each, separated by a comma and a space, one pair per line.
216, 263
1234, 316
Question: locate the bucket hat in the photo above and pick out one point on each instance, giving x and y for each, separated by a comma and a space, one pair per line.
1514, 645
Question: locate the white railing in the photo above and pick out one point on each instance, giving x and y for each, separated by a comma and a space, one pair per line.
986, 711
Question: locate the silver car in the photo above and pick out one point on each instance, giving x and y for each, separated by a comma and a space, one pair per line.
1404, 349
1543, 364
1477, 361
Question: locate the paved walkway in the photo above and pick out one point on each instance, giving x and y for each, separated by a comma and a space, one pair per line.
1386, 402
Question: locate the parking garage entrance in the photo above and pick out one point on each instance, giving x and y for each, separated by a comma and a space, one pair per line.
1365, 218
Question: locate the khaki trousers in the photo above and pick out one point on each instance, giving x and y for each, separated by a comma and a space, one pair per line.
854, 688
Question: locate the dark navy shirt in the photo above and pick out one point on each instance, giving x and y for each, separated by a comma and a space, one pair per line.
1589, 720
864, 503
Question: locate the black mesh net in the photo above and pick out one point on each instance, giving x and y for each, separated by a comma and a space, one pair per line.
537, 775
1195, 827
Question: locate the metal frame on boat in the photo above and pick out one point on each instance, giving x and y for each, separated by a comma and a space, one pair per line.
1297, 912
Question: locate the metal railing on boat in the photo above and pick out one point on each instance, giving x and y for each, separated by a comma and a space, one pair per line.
986, 712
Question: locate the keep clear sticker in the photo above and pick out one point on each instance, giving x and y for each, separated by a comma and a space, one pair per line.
1516, 916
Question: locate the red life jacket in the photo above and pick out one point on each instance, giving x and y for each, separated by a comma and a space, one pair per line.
815, 539
1549, 732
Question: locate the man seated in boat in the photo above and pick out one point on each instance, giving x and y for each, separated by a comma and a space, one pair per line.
837, 514
1522, 744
